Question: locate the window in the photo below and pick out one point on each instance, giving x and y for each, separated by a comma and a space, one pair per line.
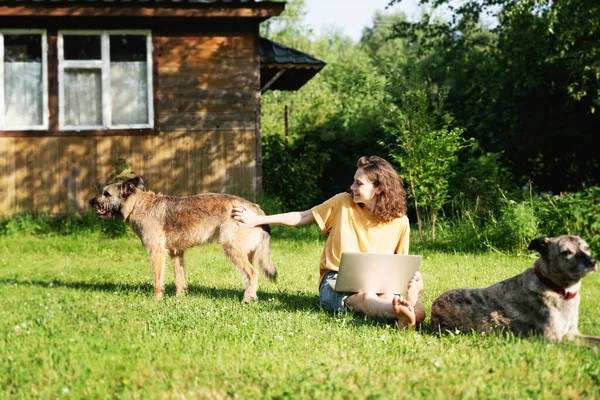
23, 80
105, 80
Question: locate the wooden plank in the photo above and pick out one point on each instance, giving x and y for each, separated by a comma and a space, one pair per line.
103, 160
23, 167
205, 41
207, 63
229, 115
206, 80
84, 150
151, 148
180, 146
192, 123
190, 53
209, 66
6, 169
41, 170
53, 176
201, 107
208, 97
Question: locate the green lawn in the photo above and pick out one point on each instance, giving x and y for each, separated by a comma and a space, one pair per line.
78, 320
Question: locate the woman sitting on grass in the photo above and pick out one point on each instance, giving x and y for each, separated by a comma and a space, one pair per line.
371, 219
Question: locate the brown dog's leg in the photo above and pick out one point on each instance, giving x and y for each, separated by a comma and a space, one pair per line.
179, 270
158, 256
249, 274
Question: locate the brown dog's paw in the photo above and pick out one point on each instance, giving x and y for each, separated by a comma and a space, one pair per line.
250, 299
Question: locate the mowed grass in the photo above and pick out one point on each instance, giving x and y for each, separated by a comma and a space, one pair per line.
78, 320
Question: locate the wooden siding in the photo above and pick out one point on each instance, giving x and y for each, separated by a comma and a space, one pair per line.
206, 109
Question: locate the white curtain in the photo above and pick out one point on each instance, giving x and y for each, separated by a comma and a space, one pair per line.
129, 92
23, 94
83, 97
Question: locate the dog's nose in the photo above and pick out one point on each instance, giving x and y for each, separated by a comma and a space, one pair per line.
92, 202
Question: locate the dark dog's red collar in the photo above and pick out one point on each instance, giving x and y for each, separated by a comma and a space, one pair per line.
554, 286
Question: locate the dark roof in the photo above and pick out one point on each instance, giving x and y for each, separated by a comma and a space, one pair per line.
284, 68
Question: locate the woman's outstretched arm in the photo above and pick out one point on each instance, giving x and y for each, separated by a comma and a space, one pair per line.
250, 218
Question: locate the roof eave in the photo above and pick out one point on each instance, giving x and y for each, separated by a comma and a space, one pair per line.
261, 11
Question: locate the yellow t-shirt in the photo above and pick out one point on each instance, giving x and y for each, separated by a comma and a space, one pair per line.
350, 227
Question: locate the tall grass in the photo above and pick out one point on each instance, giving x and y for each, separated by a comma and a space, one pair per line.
78, 320
469, 227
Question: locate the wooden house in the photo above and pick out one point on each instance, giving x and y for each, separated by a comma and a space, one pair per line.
170, 86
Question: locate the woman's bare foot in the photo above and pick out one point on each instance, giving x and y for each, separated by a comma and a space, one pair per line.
415, 287
404, 311
413, 295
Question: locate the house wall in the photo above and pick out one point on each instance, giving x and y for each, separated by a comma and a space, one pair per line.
207, 88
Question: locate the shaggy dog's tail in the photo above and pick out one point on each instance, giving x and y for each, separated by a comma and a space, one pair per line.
262, 255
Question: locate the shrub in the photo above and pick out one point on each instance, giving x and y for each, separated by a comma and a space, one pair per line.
290, 175
571, 213
515, 228
62, 225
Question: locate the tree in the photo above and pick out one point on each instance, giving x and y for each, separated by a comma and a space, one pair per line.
425, 145
528, 88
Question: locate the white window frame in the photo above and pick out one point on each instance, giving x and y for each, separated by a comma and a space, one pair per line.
104, 66
45, 111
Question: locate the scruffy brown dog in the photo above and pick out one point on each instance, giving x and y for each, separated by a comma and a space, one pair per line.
543, 300
171, 225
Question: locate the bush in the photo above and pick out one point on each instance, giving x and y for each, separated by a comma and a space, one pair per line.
291, 175
479, 180
571, 213
515, 228
63, 225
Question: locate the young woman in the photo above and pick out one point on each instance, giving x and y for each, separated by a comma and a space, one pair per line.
370, 219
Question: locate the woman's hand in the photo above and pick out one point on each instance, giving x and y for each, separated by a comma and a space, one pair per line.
245, 216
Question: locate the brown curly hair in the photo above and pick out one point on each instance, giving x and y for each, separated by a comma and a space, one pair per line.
391, 201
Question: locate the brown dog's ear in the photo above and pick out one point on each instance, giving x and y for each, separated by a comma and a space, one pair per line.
130, 186
540, 245
138, 182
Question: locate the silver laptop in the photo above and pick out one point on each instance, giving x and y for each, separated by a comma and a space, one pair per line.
378, 273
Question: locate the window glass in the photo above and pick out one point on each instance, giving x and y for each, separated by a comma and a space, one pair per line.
23, 48
82, 47
128, 80
124, 48
23, 81
83, 97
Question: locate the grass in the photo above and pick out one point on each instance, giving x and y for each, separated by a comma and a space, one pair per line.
78, 320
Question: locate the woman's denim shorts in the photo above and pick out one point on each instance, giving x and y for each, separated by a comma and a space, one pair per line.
331, 300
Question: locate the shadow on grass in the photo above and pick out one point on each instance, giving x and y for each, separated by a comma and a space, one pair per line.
286, 301
278, 300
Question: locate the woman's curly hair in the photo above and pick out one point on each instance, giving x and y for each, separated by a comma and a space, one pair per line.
391, 201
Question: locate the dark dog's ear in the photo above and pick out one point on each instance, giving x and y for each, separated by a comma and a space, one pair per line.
540, 245
131, 185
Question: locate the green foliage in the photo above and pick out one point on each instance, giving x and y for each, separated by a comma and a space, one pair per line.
121, 172
338, 111
467, 227
61, 225
526, 88
514, 230
478, 180
422, 141
291, 174
571, 213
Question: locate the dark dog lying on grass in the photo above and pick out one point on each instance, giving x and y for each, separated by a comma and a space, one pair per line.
543, 300
171, 225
